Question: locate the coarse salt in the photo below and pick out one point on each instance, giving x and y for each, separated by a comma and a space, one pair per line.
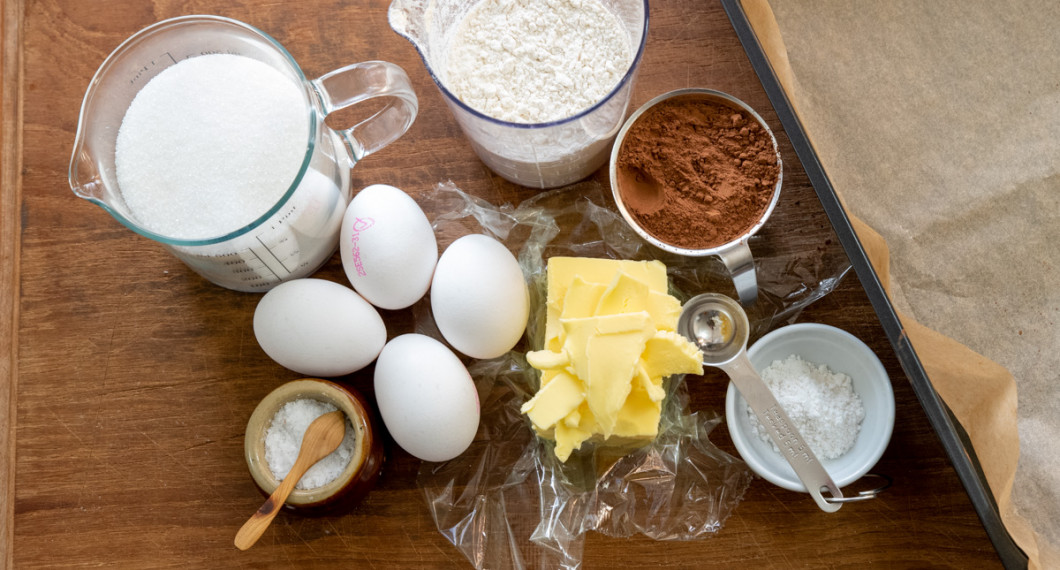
822, 404
283, 440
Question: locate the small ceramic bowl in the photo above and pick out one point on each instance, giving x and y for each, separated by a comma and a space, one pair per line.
842, 352
360, 474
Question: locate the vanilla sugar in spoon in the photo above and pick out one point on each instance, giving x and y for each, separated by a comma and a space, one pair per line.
719, 327
321, 438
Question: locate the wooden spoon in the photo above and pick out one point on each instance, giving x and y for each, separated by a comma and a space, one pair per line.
321, 438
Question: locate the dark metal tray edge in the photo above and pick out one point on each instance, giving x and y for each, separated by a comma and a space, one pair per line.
950, 432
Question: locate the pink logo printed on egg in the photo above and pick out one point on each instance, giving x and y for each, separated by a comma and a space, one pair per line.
359, 225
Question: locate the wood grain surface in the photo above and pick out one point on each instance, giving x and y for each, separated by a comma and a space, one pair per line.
128, 380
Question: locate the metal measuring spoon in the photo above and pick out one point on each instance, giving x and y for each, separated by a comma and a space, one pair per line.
719, 326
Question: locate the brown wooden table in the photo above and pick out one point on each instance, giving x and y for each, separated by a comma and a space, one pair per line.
127, 380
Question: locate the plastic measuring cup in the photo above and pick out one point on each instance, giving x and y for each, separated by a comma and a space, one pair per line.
538, 155
300, 232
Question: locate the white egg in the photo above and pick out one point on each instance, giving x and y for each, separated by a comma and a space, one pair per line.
318, 328
426, 397
387, 246
479, 297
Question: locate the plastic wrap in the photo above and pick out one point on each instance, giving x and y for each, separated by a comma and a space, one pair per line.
507, 502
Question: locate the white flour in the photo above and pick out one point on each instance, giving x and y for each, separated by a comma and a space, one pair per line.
822, 405
533, 61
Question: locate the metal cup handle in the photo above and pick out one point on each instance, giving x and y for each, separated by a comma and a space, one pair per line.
741, 265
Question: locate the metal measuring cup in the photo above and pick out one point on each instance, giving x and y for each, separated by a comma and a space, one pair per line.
736, 254
719, 327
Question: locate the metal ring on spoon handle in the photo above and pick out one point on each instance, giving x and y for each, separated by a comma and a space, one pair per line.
865, 495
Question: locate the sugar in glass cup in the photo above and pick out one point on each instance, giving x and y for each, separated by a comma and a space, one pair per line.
354, 482
841, 352
735, 254
538, 155
298, 233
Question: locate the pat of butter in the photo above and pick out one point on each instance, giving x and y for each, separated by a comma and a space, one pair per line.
590, 278
555, 400
609, 342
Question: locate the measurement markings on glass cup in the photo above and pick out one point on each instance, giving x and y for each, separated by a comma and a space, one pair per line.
275, 248
216, 52
151, 65
272, 254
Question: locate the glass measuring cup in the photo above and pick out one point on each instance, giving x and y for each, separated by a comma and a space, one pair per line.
539, 155
300, 231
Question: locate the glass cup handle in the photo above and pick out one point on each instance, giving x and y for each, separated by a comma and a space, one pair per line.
358, 82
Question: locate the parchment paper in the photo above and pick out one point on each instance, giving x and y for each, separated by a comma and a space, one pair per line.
938, 123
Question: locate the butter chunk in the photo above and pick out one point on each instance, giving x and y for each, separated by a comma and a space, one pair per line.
580, 331
665, 310
625, 295
569, 438
639, 416
652, 386
555, 401
563, 273
613, 361
581, 299
547, 359
669, 353
609, 342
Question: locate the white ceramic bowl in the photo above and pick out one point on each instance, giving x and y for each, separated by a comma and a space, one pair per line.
842, 352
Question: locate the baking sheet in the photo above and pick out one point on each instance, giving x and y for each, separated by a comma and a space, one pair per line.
934, 124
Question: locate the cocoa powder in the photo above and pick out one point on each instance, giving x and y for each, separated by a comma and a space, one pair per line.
696, 173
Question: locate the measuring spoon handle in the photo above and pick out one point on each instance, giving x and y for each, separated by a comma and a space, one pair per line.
783, 432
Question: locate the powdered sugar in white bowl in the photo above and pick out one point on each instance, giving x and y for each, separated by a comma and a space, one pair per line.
841, 354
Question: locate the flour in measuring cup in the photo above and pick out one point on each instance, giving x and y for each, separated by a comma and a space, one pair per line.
534, 61
209, 145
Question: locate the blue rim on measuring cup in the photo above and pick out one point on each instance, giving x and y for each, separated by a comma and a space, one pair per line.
191, 20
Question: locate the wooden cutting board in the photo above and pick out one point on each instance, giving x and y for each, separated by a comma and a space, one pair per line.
126, 380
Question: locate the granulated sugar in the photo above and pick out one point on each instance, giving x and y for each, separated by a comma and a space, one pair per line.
822, 404
283, 440
209, 145
532, 61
